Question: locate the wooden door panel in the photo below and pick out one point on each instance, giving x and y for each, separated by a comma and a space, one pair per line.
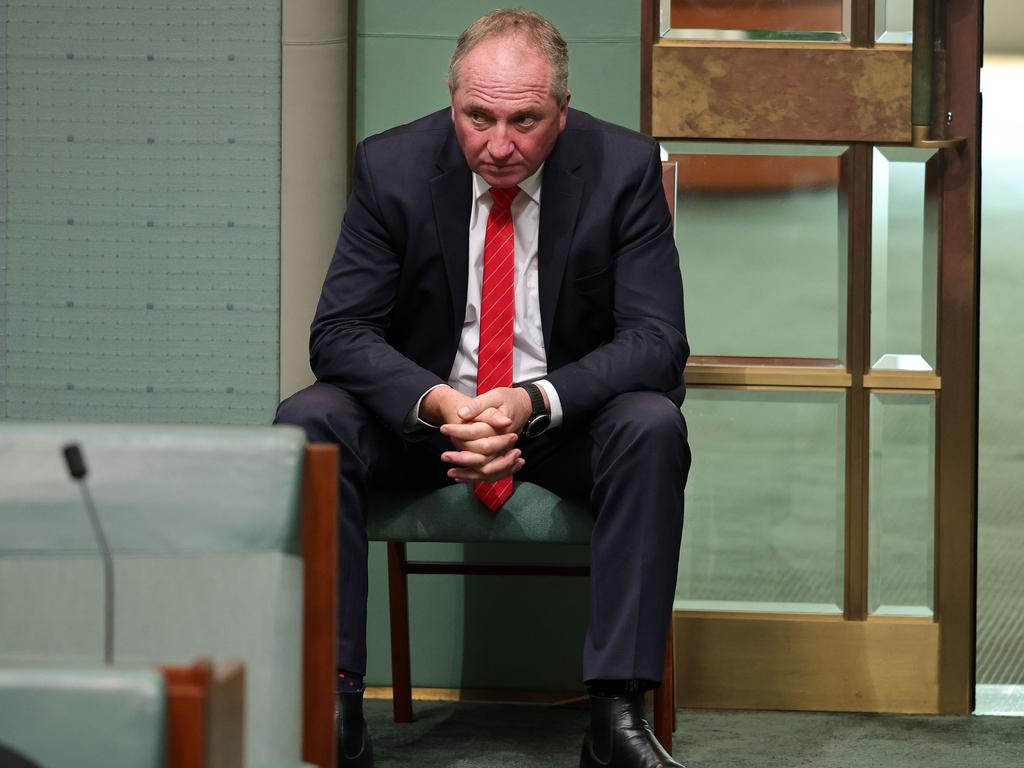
764, 91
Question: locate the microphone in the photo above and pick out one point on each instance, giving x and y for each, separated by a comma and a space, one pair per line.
76, 468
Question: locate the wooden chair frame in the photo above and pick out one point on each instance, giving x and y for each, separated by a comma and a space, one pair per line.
205, 714
399, 568
320, 602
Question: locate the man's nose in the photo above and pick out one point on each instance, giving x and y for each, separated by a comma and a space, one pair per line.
499, 144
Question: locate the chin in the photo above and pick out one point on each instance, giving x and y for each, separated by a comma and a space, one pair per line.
502, 177
509, 179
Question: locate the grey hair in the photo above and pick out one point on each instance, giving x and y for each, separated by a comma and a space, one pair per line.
527, 25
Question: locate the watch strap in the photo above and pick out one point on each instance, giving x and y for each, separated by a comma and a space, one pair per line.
537, 407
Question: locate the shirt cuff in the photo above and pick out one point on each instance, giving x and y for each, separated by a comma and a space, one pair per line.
413, 422
553, 402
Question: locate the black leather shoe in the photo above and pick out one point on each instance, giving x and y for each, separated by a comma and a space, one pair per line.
618, 736
355, 749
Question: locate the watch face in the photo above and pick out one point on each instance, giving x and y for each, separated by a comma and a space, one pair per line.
537, 425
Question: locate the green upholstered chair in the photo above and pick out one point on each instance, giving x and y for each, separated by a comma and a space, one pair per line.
81, 718
204, 526
453, 514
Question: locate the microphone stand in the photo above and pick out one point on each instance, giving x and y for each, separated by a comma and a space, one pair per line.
76, 468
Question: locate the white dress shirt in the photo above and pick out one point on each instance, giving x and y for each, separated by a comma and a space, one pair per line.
529, 361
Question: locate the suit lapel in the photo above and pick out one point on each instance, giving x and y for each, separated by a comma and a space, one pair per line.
450, 194
561, 194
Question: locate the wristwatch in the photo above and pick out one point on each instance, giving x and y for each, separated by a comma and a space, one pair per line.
540, 416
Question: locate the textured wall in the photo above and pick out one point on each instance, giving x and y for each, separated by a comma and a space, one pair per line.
143, 172
3, 208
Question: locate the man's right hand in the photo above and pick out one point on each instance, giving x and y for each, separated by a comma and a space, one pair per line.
484, 447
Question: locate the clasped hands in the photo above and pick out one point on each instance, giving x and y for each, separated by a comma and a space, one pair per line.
483, 430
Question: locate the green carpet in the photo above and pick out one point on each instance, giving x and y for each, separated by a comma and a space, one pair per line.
462, 735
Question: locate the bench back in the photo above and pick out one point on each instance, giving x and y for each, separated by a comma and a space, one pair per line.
204, 526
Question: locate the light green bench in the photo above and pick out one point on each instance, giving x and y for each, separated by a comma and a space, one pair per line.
204, 525
84, 718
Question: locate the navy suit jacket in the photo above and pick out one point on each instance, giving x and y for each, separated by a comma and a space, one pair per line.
394, 300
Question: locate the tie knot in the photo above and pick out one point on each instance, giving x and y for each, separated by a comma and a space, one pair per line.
503, 196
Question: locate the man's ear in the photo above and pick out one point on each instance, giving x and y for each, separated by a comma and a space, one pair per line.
563, 112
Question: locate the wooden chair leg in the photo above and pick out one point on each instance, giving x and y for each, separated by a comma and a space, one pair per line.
398, 602
672, 672
664, 698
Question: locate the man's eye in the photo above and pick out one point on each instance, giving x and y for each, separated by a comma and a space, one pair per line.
477, 117
526, 121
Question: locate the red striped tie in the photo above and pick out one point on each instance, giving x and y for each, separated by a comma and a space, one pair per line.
497, 319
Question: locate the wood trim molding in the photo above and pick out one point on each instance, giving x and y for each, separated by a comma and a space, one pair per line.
648, 34
903, 380
956, 527
553, 698
819, 664
856, 191
188, 692
205, 714
766, 376
320, 601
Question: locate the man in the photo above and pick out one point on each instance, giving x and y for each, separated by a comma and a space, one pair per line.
505, 299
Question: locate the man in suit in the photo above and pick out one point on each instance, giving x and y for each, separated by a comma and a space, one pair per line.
505, 299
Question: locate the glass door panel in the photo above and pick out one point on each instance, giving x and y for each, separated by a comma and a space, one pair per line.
901, 475
765, 502
775, 215
904, 260
894, 21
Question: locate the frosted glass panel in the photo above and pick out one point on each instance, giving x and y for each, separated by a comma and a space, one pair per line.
894, 21
762, 245
820, 20
764, 502
904, 261
901, 559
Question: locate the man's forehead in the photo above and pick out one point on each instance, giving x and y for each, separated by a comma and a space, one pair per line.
519, 90
470, 99
509, 57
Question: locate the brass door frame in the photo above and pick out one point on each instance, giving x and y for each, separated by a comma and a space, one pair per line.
856, 662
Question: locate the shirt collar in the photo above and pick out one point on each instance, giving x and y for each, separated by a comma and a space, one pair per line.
530, 186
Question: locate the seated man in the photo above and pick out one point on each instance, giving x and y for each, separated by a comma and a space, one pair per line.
505, 299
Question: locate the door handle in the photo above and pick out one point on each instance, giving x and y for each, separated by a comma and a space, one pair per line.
923, 80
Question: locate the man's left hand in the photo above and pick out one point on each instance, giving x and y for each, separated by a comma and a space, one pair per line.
514, 402
486, 458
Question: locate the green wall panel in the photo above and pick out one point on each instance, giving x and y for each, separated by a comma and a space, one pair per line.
142, 210
403, 49
389, 91
486, 632
608, 18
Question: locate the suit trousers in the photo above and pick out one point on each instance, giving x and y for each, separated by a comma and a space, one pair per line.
631, 460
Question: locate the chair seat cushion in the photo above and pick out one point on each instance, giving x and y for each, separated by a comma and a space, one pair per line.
453, 514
